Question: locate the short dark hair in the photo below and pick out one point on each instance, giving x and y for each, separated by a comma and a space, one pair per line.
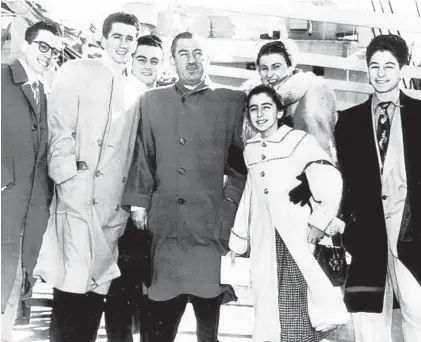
389, 42
182, 35
31, 32
119, 17
274, 47
276, 98
150, 40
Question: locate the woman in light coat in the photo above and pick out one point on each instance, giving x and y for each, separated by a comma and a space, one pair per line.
293, 298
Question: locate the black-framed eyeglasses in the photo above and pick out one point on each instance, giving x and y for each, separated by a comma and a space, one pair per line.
44, 48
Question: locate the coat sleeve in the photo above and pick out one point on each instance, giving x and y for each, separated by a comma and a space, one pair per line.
141, 180
325, 184
62, 118
240, 233
236, 169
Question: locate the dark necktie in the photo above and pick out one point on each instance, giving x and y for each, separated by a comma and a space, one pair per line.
383, 130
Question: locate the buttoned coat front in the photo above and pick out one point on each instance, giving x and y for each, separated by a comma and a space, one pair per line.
92, 118
25, 200
184, 141
273, 164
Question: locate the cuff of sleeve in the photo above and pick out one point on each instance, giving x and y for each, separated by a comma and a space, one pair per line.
232, 193
136, 200
62, 169
237, 243
326, 223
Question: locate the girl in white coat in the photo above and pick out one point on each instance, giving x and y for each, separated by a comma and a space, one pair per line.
294, 300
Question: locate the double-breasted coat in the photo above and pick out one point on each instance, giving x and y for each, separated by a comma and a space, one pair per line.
92, 119
25, 200
184, 143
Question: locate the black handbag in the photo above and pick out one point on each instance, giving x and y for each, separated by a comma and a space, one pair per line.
332, 259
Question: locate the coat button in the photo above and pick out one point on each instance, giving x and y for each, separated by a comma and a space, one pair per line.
181, 171
94, 201
262, 173
181, 201
263, 144
73, 135
384, 197
99, 142
263, 157
34, 127
182, 141
124, 179
117, 208
266, 191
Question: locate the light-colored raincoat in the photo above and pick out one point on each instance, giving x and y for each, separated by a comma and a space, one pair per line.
92, 118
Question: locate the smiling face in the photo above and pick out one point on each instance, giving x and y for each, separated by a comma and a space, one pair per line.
264, 114
38, 61
121, 42
384, 73
190, 61
273, 69
147, 64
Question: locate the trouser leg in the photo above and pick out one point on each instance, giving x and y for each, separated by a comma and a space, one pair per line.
207, 311
75, 317
164, 318
408, 293
376, 327
118, 319
9, 316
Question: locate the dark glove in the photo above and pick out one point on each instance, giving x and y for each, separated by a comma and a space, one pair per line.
301, 193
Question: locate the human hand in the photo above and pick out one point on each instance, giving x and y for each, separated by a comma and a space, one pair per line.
314, 235
140, 218
232, 255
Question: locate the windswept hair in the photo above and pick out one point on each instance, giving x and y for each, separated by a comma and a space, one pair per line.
150, 40
119, 17
31, 32
389, 42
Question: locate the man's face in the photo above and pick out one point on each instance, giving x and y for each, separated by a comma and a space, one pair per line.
190, 61
273, 69
121, 42
147, 64
384, 73
42, 53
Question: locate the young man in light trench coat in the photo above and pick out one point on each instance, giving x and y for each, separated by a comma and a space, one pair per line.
92, 125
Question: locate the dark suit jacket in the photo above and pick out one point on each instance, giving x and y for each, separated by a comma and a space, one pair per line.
365, 234
25, 200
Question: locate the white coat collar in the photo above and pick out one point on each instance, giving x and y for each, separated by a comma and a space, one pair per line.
277, 137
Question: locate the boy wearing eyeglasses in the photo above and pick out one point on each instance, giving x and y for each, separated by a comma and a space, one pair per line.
24, 180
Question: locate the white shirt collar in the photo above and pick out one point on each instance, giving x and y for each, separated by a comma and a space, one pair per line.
116, 68
32, 76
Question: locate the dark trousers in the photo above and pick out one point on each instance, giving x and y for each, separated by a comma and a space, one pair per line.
164, 318
75, 317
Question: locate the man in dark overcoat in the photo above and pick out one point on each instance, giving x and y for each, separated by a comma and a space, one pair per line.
25, 193
188, 138
378, 145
